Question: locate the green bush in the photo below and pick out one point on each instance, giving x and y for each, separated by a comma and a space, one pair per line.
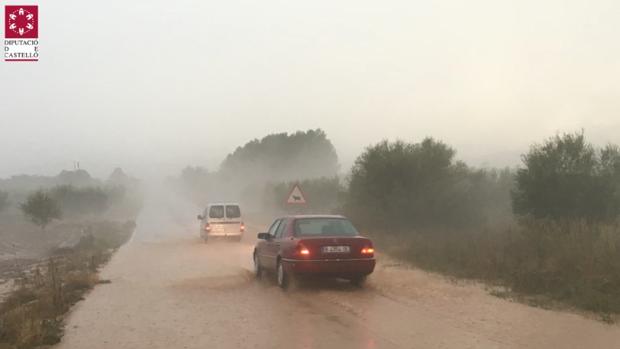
41, 208
398, 186
566, 177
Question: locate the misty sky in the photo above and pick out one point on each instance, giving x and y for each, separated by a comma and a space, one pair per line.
152, 85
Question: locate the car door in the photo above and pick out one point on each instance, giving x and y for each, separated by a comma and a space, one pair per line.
266, 252
276, 242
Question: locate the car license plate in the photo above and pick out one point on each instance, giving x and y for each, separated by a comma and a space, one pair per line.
336, 249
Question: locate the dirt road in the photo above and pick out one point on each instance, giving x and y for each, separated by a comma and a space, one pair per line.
170, 290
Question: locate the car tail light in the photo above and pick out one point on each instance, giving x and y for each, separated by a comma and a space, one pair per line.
368, 251
242, 227
302, 250
207, 227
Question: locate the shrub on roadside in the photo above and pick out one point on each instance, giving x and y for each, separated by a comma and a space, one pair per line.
572, 261
41, 208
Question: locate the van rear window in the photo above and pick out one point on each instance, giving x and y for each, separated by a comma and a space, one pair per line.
216, 211
233, 211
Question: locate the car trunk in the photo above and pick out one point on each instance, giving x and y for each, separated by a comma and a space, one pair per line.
331, 247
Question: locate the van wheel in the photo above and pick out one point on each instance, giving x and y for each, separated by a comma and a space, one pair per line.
258, 270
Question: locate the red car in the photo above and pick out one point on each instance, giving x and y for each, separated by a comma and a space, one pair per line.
322, 245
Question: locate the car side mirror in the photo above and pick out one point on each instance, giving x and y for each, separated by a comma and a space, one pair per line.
264, 236
199, 217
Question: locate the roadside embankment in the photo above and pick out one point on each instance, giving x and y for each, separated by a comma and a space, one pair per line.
31, 314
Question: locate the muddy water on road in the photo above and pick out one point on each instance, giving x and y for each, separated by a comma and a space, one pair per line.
170, 290
185, 294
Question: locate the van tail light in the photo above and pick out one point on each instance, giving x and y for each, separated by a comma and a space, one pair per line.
242, 227
302, 250
368, 251
207, 227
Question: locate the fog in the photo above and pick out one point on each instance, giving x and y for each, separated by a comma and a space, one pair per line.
407, 119
152, 86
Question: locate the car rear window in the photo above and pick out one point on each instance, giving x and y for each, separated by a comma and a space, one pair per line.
216, 211
324, 227
233, 211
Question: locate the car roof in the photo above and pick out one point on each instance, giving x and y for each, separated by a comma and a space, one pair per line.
223, 203
316, 216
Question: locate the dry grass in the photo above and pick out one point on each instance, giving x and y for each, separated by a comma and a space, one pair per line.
574, 263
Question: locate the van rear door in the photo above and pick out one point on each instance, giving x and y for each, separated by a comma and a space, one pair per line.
233, 213
234, 224
216, 219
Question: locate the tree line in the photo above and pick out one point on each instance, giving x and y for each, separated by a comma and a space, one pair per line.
82, 196
400, 186
404, 186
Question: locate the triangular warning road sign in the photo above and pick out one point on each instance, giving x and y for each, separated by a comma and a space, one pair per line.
296, 196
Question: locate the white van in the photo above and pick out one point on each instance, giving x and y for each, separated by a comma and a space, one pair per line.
221, 220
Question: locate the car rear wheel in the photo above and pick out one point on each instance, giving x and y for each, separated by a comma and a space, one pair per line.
258, 270
282, 276
358, 281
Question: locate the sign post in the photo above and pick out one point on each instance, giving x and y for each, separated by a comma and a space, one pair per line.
296, 198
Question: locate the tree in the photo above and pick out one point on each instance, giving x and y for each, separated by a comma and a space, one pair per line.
197, 183
283, 156
75, 177
4, 200
402, 186
80, 201
567, 177
195, 176
118, 177
41, 208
